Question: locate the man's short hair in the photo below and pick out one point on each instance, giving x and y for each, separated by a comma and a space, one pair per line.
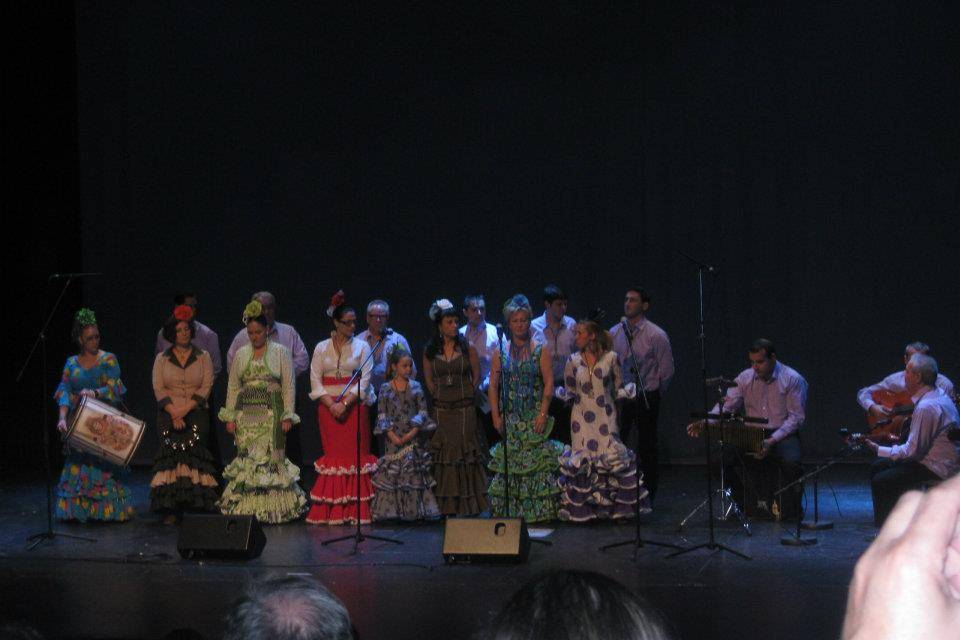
917, 347
378, 303
926, 368
474, 298
265, 295
640, 291
762, 344
552, 292
288, 608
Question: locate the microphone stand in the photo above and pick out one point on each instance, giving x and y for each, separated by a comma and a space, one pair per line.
357, 536
637, 540
711, 542
501, 392
37, 539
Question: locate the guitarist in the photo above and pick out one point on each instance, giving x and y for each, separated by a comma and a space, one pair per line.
928, 454
894, 382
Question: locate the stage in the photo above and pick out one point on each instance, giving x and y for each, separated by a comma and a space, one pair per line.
131, 583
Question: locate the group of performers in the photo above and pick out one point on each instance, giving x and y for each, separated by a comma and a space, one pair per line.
596, 391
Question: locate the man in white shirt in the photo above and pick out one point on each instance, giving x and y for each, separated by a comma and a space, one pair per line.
895, 382
559, 332
928, 455
482, 337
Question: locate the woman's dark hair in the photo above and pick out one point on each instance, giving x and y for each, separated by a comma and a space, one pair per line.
260, 319
435, 344
567, 604
170, 329
342, 310
79, 325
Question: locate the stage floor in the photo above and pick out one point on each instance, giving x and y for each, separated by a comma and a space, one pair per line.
131, 583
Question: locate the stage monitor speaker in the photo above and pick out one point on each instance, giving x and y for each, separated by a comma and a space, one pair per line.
217, 536
486, 540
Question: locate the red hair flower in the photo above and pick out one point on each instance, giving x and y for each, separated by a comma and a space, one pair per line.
338, 299
183, 313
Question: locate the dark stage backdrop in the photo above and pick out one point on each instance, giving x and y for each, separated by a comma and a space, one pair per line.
809, 152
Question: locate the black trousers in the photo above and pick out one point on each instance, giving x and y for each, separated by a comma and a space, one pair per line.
638, 430
753, 481
890, 479
560, 411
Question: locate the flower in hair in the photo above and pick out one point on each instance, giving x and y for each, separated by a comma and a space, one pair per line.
85, 317
338, 299
439, 307
183, 313
253, 310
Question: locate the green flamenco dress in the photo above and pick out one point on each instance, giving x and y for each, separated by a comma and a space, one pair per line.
260, 481
532, 457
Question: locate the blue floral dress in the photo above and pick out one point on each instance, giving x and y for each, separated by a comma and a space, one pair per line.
88, 487
532, 456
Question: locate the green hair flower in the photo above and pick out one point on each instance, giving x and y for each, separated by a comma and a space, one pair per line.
253, 310
85, 317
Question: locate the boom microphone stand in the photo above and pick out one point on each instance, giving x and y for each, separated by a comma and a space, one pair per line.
37, 539
358, 536
711, 542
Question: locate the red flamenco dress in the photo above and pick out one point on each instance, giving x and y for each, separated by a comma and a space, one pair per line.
334, 495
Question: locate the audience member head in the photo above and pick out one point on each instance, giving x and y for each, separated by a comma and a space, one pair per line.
567, 604
288, 608
915, 347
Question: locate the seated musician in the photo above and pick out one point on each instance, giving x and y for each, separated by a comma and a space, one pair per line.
928, 455
772, 390
894, 382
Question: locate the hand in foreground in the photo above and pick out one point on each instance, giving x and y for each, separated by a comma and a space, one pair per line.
179, 424
231, 427
62, 425
497, 421
694, 429
88, 393
914, 563
286, 425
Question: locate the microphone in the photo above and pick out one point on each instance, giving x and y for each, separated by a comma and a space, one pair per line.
626, 327
64, 276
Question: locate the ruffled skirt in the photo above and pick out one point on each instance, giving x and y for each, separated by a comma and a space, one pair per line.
89, 490
334, 494
604, 486
458, 466
263, 483
404, 486
184, 472
532, 459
